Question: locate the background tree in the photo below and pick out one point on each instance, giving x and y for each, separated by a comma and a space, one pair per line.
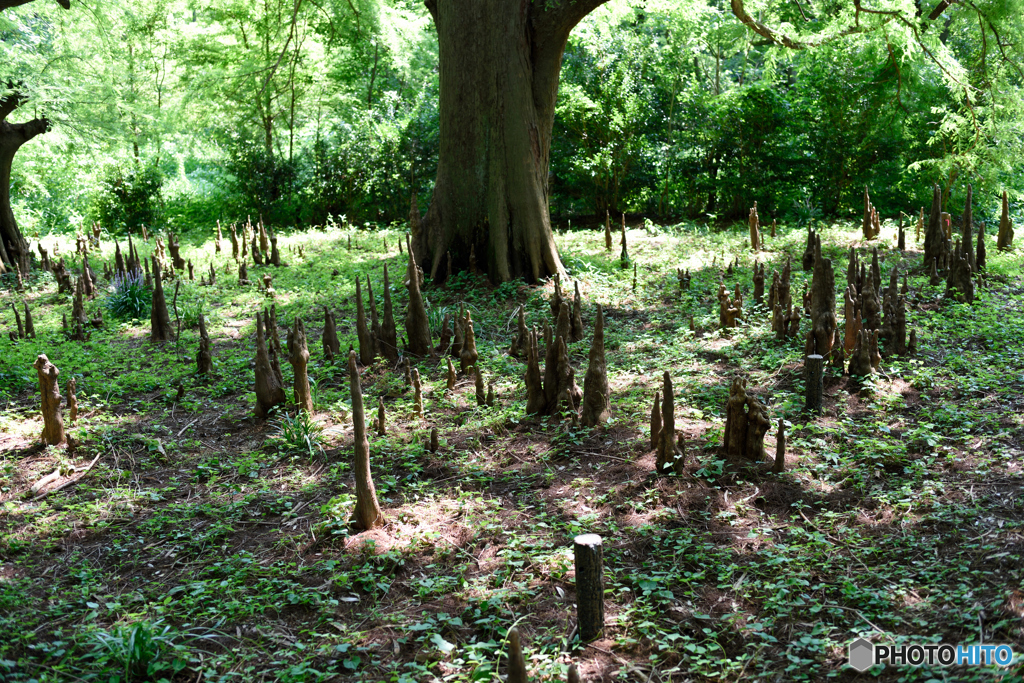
499, 65
160, 114
13, 246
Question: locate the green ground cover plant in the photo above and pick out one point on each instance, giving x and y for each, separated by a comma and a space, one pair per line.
205, 545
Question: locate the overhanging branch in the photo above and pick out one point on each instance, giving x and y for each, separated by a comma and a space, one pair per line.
777, 37
559, 17
764, 30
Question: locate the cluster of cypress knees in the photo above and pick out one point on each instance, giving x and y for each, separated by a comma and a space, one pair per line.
875, 318
128, 266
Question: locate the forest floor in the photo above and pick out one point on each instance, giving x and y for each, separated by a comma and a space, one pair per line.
204, 545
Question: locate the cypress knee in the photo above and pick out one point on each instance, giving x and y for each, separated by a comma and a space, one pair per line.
72, 400
478, 380
754, 223
78, 305
417, 401
936, 247
596, 394
17, 320
536, 401
668, 450
450, 380
388, 342
567, 394
417, 327
382, 418
576, 324
519, 344
1004, 240
823, 323
269, 391
204, 359
516, 661
363, 330
332, 347
53, 421
367, 513
556, 298
981, 258
780, 448
759, 278
298, 356
468, 356
624, 254
159, 320
275, 255
30, 330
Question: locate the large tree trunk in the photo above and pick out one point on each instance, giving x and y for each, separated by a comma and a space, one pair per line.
499, 66
13, 247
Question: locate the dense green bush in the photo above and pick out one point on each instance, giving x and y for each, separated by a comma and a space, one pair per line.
264, 182
367, 169
672, 112
128, 197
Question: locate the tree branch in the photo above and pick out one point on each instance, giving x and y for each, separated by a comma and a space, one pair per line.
8, 103
778, 38
899, 76
939, 9
762, 29
291, 34
999, 40
558, 17
14, 135
551, 22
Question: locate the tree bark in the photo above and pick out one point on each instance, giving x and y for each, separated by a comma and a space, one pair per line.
499, 67
13, 246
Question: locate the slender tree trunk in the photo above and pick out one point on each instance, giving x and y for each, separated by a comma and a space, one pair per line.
373, 76
13, 246
499, 66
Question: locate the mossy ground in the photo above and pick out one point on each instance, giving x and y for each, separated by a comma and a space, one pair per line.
226, 540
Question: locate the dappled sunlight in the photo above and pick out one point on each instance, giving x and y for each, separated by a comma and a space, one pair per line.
191, 491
